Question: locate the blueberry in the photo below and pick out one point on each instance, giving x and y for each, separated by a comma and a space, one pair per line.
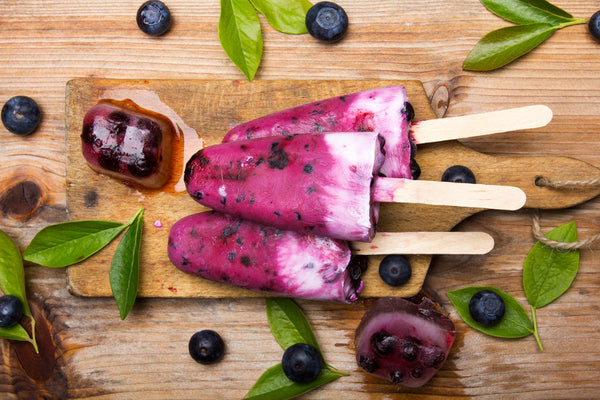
594, 25
415, 169
154, 18
395, 270
326, 21
206, 346
458, 174
21, 115
11, 310
301, 363
486, 307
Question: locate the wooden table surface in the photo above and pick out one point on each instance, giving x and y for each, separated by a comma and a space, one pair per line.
88, 352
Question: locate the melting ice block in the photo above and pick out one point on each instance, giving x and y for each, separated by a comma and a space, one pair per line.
226, 249
129, 143
386, 111
403, 342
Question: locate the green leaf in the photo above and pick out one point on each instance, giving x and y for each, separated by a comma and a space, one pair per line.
549, 272
274, 385
16, 332
504, 45
288, 323
124, 269
515, 323
12, 275
240, 35
528, 11
287, 16
12, 281
68, 243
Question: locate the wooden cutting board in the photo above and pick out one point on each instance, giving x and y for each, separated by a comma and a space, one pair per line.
204, 110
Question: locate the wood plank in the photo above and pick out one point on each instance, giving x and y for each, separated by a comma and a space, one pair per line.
98, 356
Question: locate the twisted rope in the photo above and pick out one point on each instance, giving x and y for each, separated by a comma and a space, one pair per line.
535, 224
545, 182
538, 235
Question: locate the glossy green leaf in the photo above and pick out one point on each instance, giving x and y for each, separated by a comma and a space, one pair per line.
240, 35
287, 16
12, 281
124, 269
289, 324
528, 11
549, 272
515, 323
12, 275
68, 243
274, 385
15, 332
504, 45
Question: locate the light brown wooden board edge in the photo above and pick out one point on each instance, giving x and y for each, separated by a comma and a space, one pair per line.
212, 107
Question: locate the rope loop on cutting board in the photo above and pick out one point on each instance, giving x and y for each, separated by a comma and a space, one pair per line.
539, 236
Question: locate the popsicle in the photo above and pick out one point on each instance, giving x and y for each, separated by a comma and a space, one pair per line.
387, 111
325, 184
242, 253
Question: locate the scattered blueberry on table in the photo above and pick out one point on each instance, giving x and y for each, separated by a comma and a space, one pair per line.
327, 21
11, 310
301, 363
594, 25
486, 307
206, 346
21, 115
154, 18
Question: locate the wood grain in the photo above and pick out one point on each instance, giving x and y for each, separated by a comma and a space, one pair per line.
45, 44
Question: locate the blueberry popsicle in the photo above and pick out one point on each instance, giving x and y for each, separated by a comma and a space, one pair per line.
245, 254
226, 249
387, 111
324, 184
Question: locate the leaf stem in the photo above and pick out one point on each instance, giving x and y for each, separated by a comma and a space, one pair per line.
33, 341
574, 21
141, 210
536, 333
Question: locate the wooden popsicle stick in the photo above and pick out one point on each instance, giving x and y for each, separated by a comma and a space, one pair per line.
493, 197
425, 243
488, 123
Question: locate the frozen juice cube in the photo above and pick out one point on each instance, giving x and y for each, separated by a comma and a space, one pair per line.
386, 111
245, 254
311, 183
403, 342
126, 142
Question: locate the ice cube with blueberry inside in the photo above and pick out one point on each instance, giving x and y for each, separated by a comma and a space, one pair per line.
403, 342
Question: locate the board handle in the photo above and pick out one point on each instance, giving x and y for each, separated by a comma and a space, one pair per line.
426, 243
488, 123
493, 197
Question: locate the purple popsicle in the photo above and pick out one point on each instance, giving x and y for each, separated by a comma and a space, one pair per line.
386, 111
311, 183
227, 249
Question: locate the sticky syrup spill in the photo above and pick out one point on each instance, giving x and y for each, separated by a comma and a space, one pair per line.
186, 141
